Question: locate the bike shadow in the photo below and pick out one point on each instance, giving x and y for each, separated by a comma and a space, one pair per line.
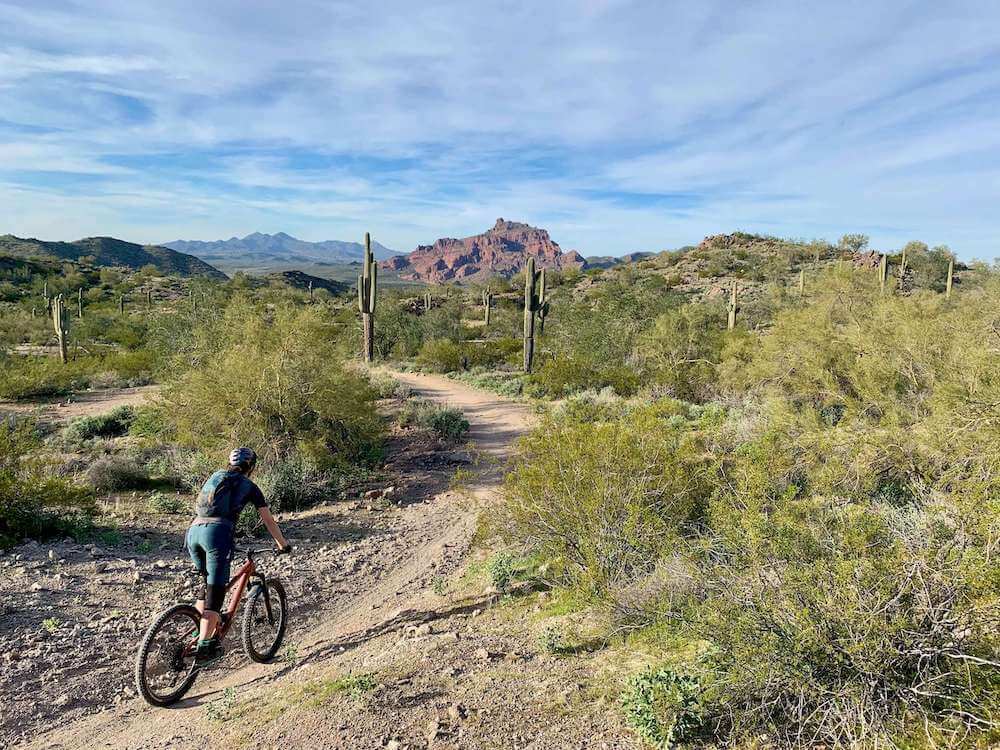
340, 646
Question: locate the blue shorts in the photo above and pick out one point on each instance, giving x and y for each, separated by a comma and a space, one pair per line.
211, 548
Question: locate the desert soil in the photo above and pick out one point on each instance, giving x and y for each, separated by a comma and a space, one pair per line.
82, 404
395, 639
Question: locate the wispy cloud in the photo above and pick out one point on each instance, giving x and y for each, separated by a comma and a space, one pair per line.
617, 124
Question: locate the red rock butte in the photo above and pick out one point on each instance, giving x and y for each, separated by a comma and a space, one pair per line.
500, 251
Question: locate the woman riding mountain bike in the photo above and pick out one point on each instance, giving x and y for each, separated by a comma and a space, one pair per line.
183, 638
210, 537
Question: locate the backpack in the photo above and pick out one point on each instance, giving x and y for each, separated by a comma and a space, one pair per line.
218, 496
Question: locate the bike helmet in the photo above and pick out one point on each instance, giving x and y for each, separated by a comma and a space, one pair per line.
245, 458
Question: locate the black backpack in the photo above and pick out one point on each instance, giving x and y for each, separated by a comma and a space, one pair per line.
218, 496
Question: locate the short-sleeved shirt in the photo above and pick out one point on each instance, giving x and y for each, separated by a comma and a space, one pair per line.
245, 492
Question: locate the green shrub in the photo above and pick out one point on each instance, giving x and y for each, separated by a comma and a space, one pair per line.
114, 423
386, 386
116, 474
149, 423
273, 380
291, 484
605, 498
161, 502
664, 708
446, 422
500, 569
34, 503
37, 377
442, 355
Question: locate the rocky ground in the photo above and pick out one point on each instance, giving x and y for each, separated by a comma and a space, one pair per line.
395, 639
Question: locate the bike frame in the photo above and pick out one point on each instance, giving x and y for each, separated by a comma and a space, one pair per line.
235, 588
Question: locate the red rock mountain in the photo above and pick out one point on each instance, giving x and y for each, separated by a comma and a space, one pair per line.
500, 251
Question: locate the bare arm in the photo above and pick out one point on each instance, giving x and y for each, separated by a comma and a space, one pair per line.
272, 527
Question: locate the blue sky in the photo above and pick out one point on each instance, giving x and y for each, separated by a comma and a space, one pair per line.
618, 126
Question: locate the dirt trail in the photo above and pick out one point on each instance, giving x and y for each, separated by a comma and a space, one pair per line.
379, 588
83, 404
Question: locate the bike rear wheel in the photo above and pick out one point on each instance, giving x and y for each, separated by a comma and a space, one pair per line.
263, 631
164, 666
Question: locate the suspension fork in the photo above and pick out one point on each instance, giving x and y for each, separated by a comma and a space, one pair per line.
262, 583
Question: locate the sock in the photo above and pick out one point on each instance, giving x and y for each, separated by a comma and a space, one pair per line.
204, 644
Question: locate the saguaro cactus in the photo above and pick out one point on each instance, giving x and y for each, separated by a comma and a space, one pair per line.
802, 281
543, 303
149, 298
60, 322
734, 302
427, 301
883, 272
79, 303
951, 278
487, 305
367, 289
312, 297
46, 297
121, 304
533, 280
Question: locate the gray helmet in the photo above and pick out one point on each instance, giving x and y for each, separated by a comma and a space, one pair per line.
245, 458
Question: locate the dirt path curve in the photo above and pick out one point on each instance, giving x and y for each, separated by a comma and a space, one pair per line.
381, 584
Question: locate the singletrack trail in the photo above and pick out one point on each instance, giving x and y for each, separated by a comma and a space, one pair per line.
380, 605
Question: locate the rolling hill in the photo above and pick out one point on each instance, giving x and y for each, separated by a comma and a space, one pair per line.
108, 251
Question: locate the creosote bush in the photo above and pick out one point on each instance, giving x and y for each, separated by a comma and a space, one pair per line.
114, 423
446, 422
34, 503
826, 533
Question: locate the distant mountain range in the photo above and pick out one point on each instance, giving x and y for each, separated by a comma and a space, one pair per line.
260, 250
108, 251
501, 250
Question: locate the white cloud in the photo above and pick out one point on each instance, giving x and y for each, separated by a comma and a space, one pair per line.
434, 118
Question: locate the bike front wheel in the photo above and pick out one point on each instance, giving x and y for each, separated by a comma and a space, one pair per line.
264, 620
164, 666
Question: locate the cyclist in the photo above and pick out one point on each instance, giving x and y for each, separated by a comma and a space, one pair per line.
209, 540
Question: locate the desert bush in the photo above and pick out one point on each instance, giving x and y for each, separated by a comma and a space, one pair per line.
171, 504
386, 386
293, 483
116, 474
36, 377
664, 708
446, 422
149, 422
273, 380
605, 498
114, 423
443, 355
501, 382
501, 568
34, 503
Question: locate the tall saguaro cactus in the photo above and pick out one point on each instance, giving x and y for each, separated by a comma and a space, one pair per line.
367, 289
121, 304
951, 278
543, 303
883, 272
734, 305
534, 281
79, 303
487, 306
312, 296
60, 322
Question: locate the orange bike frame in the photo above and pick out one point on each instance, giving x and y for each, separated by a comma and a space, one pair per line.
235, 588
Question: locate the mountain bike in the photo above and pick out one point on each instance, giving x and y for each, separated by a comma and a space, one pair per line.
165, 665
